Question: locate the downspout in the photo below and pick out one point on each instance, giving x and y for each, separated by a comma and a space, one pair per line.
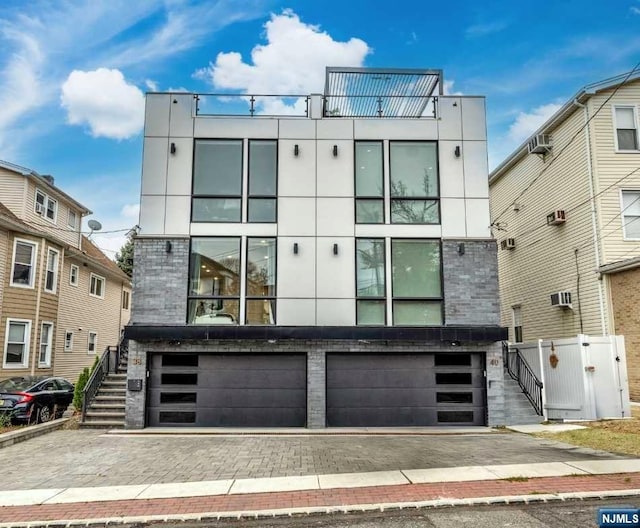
39, 284
594, 219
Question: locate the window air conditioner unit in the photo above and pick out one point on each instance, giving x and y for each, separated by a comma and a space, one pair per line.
557, 217
508, 243
562, 299
39, 208
540, 144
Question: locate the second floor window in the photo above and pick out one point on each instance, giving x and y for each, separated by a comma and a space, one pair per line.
631, 214
369, 182
96, 286
23, 271
626, 128
51, 279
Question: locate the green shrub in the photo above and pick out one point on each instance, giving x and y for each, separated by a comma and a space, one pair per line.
80, 384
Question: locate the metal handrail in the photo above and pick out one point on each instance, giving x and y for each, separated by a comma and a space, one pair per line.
97, 377
520, 371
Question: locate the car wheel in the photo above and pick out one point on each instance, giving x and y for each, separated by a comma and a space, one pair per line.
45, 414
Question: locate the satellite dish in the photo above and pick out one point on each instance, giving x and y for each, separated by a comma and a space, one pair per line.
94, 225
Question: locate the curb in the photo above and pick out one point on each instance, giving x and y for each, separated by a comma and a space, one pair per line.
31, 431
323, 510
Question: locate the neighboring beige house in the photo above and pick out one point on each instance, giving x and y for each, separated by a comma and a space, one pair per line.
565, 209
62, 301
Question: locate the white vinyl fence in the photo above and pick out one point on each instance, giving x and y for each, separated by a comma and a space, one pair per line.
584, 377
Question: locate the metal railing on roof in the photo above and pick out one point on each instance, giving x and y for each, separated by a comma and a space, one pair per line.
272, 105
381, 106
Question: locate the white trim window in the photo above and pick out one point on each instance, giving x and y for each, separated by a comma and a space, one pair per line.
16, 344
46, 343
516, 313
22, 267
630, 208
46, 206
74, 273
51, 279
72, 219
96, 286
92, 343
626, 125
68, 341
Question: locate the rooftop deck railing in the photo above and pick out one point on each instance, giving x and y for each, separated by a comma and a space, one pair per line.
332, 106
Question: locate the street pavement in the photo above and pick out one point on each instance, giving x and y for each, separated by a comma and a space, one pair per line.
94, 478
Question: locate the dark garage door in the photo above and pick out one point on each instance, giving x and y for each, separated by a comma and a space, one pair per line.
227, 390
386, 390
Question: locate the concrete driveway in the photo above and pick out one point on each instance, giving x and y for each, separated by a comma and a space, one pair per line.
79, 458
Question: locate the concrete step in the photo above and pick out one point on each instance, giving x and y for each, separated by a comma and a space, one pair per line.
107, 407
106, 424
114, 383
116, 377
102, 398
100, 416
103, 391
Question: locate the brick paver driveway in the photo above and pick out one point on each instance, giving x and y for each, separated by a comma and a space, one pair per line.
78, 458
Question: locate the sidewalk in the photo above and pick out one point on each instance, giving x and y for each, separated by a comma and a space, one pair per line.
321, 493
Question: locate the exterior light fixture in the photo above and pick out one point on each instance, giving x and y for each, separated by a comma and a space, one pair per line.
461, 249
457, 151
173, 148
335, 249
167, 246
335, 151
296, 150
295, 248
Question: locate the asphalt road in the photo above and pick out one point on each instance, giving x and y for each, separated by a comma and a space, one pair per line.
553, 515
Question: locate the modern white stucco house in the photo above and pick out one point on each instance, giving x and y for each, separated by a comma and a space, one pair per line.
331, 268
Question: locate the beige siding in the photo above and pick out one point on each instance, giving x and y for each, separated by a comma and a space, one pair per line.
611, 170
32, 304
82, 313
59, 229
544, 260
12, 191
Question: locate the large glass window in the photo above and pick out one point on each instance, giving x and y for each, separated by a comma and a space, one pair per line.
416, 282
214, 281
23, 271
217, 181
261, 281
414, 182
626, 128
369, 182
370, 281
263, 164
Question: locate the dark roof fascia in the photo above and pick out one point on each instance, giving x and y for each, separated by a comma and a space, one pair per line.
561, 115
457, 335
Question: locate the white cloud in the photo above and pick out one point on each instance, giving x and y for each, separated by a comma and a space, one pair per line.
448, 88
635, 10
103, 100
152, 86
482, 30
131, 211
292, 61
526, 124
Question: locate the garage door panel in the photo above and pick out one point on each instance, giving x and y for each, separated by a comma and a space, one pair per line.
387, 390
228, 390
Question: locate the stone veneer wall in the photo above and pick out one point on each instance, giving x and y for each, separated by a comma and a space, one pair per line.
471, 295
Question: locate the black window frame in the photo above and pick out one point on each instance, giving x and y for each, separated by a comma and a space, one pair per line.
363, 198
195, 196
272, 298
251, 196
377, 298
435, 198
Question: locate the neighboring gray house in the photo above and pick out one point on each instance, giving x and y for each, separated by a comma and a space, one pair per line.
328, 269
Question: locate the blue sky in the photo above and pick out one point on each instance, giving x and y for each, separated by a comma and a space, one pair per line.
74, 72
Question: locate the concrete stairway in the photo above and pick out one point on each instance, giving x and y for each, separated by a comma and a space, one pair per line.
107, 410
518, 409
